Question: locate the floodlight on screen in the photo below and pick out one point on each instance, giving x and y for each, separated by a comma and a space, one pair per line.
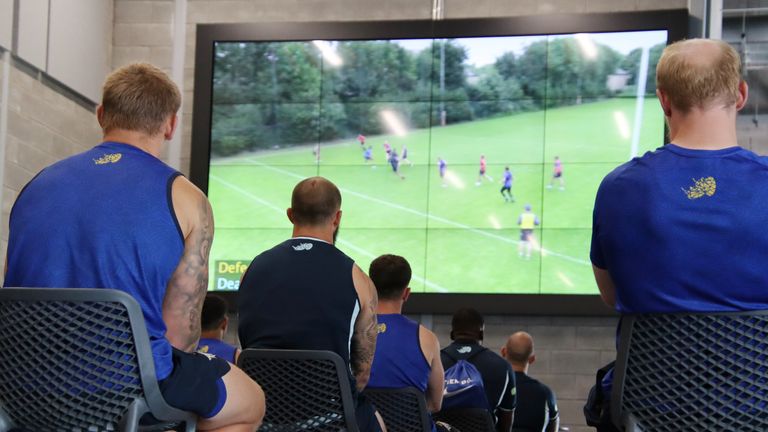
329, 53
393, 123
494, 221
622, 125
587, 45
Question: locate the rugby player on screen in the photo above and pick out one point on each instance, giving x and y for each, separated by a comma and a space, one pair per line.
527, 222
483, 168
557, 173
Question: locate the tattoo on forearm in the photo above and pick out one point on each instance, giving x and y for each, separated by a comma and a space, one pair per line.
364, 346
187, 287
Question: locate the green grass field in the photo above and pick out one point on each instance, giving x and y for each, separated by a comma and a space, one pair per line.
461, 238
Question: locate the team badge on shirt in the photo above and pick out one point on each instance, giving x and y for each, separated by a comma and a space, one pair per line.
701, 187
108, 158
381, 328
303, 247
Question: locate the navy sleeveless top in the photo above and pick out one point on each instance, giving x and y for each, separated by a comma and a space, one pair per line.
218, 348
299, 295
399, 361
101, 219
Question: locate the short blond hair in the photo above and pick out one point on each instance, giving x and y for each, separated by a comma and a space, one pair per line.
138, 97
699, 73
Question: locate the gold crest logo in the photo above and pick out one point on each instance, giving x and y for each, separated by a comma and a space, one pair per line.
701, 187
381, 328
108, 158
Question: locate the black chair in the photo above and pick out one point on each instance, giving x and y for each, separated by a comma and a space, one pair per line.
77, 359
692, 372
403, 409
305, 390
467, 419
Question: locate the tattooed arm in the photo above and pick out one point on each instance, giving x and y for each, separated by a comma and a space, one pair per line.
365, 331
187, 287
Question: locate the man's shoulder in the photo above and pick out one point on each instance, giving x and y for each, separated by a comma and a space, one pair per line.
526, 381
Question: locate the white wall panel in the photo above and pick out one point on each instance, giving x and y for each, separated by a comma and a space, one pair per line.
81, 44
6, 23
33, 32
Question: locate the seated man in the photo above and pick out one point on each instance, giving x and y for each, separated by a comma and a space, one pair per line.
681, 229
536, 406
498, 379
214, 327
117, 217
407, 354
306, 294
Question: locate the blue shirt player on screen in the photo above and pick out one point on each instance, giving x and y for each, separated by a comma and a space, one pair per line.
395, 163
368, 154
404, 157
441, 166
506, 186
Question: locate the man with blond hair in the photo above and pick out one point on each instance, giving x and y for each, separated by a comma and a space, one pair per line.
681, 229
117, 217
536, 404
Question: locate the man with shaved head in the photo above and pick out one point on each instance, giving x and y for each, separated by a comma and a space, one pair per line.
682, 228
536, 404
306, 294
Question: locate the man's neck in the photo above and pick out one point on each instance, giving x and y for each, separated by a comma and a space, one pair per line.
148, 143
704, 129
389, 307
519, 368
317, 233
212, 334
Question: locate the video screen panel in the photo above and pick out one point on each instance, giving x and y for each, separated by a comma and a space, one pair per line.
476, 158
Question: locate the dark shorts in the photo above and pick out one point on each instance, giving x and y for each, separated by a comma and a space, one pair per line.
506, 188
482, 172
394, 166
557, 174
525, 234
195, 383
366, 417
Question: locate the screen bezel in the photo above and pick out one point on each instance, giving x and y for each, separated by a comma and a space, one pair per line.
674, 21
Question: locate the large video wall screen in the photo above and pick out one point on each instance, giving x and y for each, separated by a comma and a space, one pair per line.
476, 158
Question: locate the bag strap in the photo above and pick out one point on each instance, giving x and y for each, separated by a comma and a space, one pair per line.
452, 357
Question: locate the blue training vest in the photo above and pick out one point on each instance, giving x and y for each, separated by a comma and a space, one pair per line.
399, 361
101, 219
218, 348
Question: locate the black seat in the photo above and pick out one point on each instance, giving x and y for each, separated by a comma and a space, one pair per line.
697, 372
305, 390
77, 359
467, 419
403, 409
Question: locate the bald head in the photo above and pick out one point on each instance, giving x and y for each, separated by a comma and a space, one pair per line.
519, 348
699, 73
314, 202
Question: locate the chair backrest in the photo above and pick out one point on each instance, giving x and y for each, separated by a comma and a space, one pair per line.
467, 419
692, 372
74, 359
305, 390
403, 409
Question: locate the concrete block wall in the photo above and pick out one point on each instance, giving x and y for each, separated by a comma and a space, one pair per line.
44, 126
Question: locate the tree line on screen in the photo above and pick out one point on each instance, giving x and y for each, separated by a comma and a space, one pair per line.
272, 95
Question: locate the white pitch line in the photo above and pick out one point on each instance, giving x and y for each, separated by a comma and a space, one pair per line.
341, 241
431, 216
